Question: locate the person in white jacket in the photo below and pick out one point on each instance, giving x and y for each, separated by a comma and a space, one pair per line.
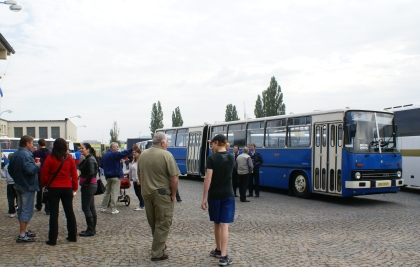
11, 193
133, 174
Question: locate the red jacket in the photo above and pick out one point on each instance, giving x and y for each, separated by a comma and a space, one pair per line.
66, 178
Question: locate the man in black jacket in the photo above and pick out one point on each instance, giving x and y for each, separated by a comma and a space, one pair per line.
257, 160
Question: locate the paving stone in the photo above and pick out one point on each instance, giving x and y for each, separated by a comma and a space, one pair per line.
273, 230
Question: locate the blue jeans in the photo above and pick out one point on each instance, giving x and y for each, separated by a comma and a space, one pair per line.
137, 190
25, 200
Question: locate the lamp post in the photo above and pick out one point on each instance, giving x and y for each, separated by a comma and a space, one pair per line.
12, 5
8, 111
65, 124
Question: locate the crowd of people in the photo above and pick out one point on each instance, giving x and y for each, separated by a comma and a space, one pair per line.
153, 172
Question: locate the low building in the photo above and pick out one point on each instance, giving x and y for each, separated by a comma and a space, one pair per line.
39, 129
5, 48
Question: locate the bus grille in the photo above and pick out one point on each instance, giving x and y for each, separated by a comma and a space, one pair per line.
378, 175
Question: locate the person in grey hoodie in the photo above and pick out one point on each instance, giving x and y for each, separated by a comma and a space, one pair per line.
11, 193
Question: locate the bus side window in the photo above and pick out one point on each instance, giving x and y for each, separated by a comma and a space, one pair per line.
276, 133
171, 137
181, 138
255, 133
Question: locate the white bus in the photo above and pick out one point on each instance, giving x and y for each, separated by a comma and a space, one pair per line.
407, 120
143, 145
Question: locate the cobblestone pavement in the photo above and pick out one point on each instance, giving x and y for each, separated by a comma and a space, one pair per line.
273, 230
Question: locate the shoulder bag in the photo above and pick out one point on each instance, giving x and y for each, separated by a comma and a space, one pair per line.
101, 187
45, 191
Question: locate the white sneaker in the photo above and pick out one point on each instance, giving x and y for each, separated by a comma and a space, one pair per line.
12, 215
138, 208
102, 209
115, 212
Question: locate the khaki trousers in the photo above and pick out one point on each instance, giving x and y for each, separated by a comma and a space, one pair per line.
159, 212
112, 190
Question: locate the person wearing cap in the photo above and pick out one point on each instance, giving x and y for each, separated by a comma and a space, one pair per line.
218, 197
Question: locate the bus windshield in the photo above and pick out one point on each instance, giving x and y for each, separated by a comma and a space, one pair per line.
369, 132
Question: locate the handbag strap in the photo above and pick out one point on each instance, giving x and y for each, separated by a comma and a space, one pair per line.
55, 174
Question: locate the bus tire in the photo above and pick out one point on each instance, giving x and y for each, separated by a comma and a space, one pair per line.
301, 185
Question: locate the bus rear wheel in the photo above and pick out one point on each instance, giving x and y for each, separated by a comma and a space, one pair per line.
301, 185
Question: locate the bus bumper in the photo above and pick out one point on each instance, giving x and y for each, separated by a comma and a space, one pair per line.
374, 184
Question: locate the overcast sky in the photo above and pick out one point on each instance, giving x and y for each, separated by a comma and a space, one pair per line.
111, 60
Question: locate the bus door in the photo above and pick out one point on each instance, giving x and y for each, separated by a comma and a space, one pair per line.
193, 153
327, 158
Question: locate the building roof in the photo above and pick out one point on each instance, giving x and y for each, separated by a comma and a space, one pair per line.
6, 44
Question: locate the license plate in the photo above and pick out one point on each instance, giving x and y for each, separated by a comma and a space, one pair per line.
383, 184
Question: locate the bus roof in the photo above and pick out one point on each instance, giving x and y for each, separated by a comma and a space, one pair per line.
318, 112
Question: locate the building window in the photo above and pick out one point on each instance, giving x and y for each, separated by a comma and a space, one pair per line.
43, 132
30, 131
18, 131
55, 132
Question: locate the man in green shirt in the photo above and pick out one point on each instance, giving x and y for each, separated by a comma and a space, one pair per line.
158, 174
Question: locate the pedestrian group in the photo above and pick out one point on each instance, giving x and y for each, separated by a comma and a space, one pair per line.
154, 174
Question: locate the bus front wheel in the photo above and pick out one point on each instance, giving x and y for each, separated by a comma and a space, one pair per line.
301, 185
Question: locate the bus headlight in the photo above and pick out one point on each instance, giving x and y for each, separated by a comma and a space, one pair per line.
357, 175
399, 174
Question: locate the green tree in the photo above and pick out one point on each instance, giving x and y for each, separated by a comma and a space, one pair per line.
114, 133
156, 120
177, 118
272, 101
231, 113
259, 110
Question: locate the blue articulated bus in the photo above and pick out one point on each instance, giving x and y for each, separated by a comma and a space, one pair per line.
339, 152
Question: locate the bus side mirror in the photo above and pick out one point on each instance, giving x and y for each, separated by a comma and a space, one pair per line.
353, 129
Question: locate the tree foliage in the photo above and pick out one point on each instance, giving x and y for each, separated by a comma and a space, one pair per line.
114, 133
177, 118
156, 120
271, 103
231, 113
259, 110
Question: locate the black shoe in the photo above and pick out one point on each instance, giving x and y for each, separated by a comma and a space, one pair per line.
71, 239
245, 201
38, 208
50, 243
164, 257
179, 200
86, 233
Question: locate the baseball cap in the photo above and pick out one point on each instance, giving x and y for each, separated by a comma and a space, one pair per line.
219, 138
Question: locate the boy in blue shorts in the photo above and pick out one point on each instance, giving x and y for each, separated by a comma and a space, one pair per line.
218, 196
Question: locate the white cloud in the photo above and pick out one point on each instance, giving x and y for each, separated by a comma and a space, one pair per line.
110, 60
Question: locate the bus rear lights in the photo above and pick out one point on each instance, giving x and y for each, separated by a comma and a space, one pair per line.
399, 164
399, 174
359, 164
357, 175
